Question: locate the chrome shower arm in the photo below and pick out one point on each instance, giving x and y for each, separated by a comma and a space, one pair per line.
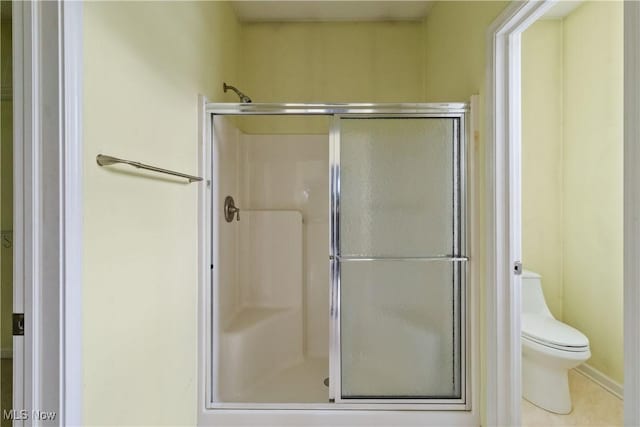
243, 98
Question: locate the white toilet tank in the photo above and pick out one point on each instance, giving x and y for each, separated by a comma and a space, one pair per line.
532, 296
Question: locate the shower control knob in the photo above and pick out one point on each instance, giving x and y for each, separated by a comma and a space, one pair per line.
230, 209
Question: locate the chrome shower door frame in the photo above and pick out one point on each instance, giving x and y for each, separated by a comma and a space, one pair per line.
459, 256
458, 111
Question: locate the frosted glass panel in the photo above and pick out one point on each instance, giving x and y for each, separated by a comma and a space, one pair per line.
400, 329
397, 187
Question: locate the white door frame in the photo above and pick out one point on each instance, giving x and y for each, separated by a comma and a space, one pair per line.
503, 111
47, 95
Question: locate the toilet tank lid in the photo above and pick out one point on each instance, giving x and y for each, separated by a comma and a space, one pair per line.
549, 330
528, 274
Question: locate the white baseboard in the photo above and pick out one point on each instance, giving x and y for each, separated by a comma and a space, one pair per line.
6, 353
601, 379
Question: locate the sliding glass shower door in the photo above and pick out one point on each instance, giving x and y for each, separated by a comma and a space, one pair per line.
398, 260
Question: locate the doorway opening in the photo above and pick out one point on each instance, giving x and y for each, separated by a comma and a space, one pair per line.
572, 214
505, 126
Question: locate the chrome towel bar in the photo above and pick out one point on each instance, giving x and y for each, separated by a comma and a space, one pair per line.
104, 160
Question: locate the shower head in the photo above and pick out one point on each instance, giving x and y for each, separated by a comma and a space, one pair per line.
243, 98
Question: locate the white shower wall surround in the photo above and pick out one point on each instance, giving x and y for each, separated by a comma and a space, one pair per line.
290, 172
273, 270
257, 170
269, 321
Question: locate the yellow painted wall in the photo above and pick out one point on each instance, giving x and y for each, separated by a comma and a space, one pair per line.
542, 193
144, 65
455, 34
572, 225
593, 180
329, 62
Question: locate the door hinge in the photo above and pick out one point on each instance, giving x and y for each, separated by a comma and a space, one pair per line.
18, 324
517, 268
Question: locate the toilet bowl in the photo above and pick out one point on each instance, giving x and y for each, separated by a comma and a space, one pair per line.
549, 349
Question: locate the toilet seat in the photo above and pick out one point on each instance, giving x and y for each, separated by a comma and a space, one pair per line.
547, 331
553, 347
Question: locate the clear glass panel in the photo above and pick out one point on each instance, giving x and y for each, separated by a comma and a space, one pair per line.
397, 187
400, 329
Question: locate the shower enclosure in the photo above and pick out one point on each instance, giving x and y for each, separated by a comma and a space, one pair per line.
348, 289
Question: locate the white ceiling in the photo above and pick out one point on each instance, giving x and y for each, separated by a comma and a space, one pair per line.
313, 10
562, 9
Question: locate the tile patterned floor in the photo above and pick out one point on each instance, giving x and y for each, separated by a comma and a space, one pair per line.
592, 406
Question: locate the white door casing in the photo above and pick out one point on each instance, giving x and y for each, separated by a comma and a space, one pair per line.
47, 49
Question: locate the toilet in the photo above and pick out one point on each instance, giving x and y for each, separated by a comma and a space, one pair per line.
549, 349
